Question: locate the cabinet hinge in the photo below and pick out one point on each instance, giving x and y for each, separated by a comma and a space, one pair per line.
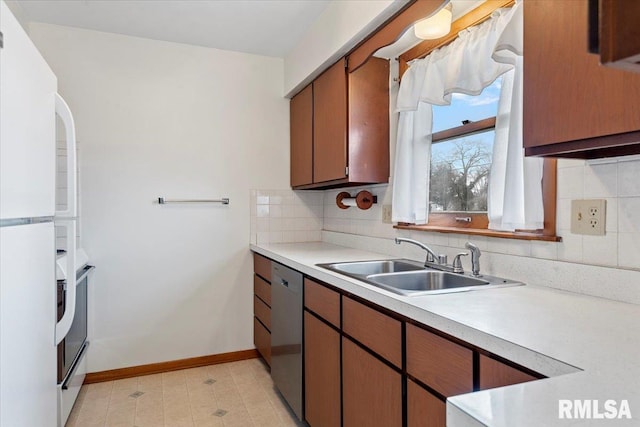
346, 171
346, 62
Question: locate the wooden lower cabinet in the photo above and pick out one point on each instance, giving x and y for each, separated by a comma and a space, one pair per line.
372, 391
262, 340
441, 364
322, 373
423, 408
262, 306
375, 330
353, 357
497, 374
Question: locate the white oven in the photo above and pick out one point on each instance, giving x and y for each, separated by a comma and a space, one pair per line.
72, 350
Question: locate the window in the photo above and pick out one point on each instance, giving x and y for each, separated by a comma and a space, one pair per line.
461, 151
463, 138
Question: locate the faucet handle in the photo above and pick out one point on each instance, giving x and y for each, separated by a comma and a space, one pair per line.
457, 263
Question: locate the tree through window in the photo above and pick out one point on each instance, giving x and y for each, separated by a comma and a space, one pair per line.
462, 150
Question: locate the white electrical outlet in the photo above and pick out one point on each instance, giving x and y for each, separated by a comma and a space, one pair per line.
386, 214
588, 217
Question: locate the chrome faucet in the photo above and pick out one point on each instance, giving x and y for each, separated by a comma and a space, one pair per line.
475, 258
436, 261
431, 256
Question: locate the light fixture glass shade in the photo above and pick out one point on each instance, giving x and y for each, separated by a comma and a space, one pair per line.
435, 26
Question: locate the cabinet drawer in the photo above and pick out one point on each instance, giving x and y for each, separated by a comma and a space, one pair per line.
262, 340
262, 289
439, 363
322, 301
497, 374
262, 312
379, 332
423, 408
262, 266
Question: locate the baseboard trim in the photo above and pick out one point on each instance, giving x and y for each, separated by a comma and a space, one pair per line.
173, 365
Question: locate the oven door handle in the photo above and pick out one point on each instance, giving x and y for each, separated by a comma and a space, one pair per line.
64, 325
74, 366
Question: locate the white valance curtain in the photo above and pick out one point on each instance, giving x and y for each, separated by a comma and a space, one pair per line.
467, 65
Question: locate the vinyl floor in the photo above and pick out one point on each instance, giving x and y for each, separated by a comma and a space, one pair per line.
236, 394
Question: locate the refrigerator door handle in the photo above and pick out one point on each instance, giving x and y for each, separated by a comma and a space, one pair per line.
64, 325
63, 111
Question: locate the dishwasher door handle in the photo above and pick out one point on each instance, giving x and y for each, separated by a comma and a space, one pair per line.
284, 283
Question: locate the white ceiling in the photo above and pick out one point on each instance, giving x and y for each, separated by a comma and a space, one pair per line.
263, 27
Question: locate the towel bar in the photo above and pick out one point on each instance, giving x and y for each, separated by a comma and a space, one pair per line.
163, 201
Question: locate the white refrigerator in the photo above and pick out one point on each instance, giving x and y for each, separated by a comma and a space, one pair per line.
28, 329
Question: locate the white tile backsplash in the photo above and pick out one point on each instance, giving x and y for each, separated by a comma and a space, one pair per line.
571, 182
629, 250
577, 263
600, 180
628, 182
628, 214
616, 181
286, 216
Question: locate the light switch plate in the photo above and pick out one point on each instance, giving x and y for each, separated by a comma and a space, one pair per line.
588, 217
386, 214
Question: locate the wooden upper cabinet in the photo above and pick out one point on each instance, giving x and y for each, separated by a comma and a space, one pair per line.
573, 106
330, 124
369, 122
301, 134
340, 128
619, 34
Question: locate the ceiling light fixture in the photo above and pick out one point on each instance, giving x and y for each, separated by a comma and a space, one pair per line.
435, 26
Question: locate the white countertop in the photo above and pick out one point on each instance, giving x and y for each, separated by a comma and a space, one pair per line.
589, 347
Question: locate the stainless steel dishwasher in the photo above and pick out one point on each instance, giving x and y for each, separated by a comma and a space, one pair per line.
286, 334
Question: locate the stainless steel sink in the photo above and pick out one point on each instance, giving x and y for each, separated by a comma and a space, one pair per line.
427, 280
409, 278
366, 268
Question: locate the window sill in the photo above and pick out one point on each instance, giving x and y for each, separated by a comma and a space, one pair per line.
480, 232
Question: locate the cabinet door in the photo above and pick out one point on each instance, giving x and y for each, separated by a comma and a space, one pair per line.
497, 374
372, 391
568, 95
423, 408
369, 122
330, 124
301, 127
441, 364
322, 373
620, 34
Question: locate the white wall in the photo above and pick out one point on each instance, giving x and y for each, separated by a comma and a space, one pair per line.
164, 119
18, 12
342, 25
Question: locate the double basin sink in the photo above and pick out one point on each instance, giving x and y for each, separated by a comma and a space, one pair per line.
409, 278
